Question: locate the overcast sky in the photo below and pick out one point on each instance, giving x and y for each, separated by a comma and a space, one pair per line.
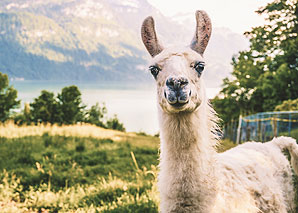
238, 15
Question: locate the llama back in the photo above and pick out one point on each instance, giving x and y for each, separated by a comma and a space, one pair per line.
259, 175
291, 145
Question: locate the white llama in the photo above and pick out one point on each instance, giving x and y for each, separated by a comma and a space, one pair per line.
252, 177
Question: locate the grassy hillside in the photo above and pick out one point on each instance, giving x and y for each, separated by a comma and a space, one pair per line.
45, 168
80, 168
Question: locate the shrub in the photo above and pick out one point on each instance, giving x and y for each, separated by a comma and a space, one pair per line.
114, 123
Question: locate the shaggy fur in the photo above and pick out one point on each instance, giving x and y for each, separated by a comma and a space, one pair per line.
252, 177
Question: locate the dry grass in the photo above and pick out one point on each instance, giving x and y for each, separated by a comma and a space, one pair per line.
10, 130
83, 130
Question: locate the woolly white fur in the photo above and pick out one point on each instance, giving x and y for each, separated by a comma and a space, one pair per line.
252, 177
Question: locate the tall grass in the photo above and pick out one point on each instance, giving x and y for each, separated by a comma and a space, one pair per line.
78, 168
104, 195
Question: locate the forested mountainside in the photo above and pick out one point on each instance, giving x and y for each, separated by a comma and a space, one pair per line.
93, 40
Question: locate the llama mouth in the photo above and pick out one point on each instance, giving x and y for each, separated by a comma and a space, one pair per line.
179, 105
177, 99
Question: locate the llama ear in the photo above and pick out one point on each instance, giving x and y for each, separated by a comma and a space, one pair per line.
203, 32
149, 37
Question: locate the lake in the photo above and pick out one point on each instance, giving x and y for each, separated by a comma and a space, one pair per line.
134, 104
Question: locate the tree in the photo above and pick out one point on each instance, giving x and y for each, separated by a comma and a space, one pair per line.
288, 105
71, 105
45, 109
266, 74
96, 114
23, 117
8, 98
114, 123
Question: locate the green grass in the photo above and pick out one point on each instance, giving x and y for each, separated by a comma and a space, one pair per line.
293, 134
59, 173
52, 173
225, 145
67, 161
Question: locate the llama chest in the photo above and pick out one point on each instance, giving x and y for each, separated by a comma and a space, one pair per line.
182, 186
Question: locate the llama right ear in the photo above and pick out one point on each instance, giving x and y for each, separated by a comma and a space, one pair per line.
203, 32
149, 37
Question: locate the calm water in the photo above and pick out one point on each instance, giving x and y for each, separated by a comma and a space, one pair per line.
135, 105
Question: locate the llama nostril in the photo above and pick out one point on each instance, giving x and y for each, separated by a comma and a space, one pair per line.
170, 83
183, 82
176, 83
165, 94
189, 93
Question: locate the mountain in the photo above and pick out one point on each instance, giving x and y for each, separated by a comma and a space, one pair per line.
94, 40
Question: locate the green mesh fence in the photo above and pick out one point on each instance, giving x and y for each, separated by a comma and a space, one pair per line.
263, 126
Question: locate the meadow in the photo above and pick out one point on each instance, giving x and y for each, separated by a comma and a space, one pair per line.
78, 168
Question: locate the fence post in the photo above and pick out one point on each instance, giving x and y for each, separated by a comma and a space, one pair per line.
277, 124
290, 124
274, 121
238, 129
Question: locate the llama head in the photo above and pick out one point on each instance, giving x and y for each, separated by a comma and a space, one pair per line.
178, 71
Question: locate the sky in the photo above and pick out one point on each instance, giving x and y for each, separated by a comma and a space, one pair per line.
237, 15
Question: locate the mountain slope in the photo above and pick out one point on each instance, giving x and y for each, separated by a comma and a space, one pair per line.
50, 45
94, 40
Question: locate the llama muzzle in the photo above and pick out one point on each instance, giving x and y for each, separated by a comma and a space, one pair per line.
177, 91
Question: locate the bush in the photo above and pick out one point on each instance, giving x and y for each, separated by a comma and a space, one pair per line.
114, 123
288, 105
96, 114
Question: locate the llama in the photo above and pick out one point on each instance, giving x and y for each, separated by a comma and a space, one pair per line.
252, 177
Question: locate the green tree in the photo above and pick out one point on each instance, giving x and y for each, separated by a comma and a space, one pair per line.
288, 105
45, 109
23, 117
114, 123
71, 105
96, 114
8, 98
266, 74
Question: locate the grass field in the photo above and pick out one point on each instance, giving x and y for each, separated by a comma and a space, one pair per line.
80, 168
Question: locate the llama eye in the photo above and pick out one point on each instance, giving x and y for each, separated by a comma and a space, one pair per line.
154, 70
199, 67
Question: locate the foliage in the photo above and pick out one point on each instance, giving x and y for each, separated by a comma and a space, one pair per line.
266, 74
114, 123
8, 96
96, 114
45, 108
24, 117
288, 105
70, 103
67, 108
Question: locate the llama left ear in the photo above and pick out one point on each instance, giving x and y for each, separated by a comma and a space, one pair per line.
203, 32
149, 37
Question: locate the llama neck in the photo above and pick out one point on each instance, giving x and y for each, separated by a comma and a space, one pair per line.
187, 163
